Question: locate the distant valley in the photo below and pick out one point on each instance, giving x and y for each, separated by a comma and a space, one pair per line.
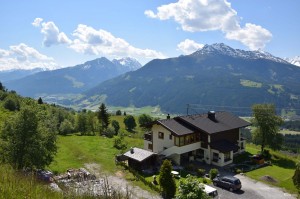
214, 77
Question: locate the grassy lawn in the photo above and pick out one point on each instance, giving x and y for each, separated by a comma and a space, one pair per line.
74, 151
282, 169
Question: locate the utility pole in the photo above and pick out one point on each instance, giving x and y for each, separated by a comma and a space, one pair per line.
187, 109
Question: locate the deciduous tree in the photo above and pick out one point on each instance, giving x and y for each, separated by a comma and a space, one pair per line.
28, 143
129, 122
267, 126
296, 177
145, 119
115, 124
190, 188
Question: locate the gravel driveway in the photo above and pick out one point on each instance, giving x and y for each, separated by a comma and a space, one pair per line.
252, 189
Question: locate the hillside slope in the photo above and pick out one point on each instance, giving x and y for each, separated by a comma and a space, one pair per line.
214, 76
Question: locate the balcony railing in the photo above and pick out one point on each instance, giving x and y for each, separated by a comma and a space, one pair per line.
148, 137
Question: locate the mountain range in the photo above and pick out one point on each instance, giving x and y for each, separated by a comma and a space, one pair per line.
72, 80
214, 76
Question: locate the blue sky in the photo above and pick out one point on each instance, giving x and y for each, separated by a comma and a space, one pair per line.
64, 33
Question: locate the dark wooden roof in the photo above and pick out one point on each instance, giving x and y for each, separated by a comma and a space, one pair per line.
222, 121
175, 127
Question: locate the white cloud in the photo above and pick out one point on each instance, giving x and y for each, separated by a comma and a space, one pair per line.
37, 22
24, 57
189, 46
253, 36
204, 15
101, 42
51, 33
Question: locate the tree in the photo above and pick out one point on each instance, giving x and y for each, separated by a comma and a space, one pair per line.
190, 188
103, 117
145, 119
40, 101
296, 177
115, 124
81, 123
129, 122
66, 127
267, 126
118, 112
11, 103
28, 142
2, 88
166, 180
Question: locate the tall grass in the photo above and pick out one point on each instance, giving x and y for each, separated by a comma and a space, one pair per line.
15, 185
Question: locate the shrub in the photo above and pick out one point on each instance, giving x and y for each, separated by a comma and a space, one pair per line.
213, 173
200, 172
266, 154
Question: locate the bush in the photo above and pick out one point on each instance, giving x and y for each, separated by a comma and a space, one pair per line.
204, 181
213, 173
266, 154
200, 172
109, 132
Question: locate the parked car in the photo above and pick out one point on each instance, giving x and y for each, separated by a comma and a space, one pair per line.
229, 182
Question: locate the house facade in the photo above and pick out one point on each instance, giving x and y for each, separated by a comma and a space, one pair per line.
212, 138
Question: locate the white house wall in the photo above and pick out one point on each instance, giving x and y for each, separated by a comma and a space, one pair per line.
160, 145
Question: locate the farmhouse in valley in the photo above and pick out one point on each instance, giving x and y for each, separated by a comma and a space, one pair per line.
213, 138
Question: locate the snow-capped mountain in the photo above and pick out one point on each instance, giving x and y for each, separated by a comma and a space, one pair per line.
220, 48
295, 60
131, 63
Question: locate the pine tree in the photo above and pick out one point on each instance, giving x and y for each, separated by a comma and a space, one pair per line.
166, 180
103, 117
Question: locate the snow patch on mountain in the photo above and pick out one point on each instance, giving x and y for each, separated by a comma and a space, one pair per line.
221, 48
129, 62
295, 60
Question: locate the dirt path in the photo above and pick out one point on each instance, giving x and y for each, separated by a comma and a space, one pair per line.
118, 182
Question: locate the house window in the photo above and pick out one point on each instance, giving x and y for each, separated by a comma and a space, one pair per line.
170, 136
181, 141
215, 157
176, 141
150, 146
160, 135
227, 156
242, 145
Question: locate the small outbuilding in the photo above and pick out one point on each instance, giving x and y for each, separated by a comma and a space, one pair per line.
140, 159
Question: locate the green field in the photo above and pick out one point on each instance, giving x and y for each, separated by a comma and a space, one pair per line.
74, 151
282, 169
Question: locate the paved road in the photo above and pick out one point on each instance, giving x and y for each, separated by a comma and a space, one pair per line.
252, 189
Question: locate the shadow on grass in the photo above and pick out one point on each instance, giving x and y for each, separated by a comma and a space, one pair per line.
283, 162
242, 157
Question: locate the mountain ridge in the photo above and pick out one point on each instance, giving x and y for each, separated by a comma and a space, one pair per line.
73, 79
208, 76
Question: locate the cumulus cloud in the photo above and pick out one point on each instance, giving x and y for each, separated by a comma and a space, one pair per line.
37, 22
101, 42
23, 56
211, 15
253, 36
52, 35
189, 46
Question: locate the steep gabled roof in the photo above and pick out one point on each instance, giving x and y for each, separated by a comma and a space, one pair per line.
175, 127
221, 121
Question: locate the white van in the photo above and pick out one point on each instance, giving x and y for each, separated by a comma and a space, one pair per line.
210, 191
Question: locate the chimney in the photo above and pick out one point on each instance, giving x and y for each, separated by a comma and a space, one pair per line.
131, 150
211, 115
168, 116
